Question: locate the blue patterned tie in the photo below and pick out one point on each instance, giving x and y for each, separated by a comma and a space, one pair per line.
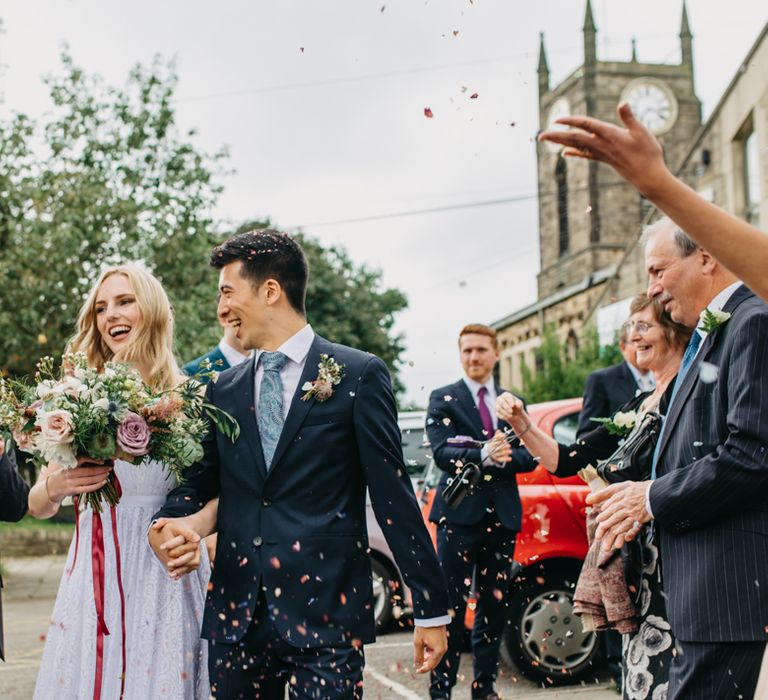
270, 413
690, 354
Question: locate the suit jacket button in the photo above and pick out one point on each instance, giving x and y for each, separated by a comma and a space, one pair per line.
266, 502
257, 541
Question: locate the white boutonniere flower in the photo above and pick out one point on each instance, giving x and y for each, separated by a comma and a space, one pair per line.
330, 374
710, 321
621, 424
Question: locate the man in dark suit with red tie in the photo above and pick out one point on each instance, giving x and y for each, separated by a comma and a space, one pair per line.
476, 540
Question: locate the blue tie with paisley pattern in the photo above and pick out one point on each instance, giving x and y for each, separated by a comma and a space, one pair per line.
270, 409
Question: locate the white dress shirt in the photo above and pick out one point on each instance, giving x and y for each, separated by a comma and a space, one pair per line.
232, 356
296, 349
717, 304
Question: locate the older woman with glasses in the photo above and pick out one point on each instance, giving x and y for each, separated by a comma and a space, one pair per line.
660, 344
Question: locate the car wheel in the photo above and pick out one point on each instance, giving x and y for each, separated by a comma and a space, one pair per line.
383, 608
544, 639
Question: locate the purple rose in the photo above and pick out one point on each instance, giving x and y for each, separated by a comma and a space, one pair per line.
133, 435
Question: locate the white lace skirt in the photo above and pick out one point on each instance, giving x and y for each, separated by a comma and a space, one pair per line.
165, 657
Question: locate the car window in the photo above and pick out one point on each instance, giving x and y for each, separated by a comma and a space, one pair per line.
415, 451
564, 430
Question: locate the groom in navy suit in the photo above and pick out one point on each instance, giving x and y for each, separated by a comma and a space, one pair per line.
476, 540
708, 499
290, 598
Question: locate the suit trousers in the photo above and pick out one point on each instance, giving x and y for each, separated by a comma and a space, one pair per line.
709, 670
260, 665
481, 553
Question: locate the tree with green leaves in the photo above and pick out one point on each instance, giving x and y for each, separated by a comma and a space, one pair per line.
106, 177
561, 373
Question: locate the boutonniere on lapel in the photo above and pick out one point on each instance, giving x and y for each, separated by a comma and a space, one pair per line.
710, 321
621, 424
329, 374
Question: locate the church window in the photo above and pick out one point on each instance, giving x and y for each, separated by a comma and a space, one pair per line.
752, 179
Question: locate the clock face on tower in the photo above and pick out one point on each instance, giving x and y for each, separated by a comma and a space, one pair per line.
652, 102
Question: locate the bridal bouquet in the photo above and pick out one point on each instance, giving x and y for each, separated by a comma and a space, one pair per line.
106, 415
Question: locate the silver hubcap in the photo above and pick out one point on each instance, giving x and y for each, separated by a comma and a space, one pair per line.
379, 595
552, 635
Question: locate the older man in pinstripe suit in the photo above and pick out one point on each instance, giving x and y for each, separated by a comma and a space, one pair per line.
709, 499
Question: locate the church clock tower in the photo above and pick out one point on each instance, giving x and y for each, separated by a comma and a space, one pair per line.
587, 213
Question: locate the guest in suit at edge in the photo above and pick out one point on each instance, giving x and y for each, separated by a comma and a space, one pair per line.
475, 541
708, 499
13, 505
228, 353
291, 599
606, 390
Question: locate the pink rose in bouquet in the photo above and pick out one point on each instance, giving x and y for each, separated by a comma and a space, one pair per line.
133, 435
56, 426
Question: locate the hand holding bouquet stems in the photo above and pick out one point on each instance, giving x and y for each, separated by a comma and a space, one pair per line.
82, 419
90, 475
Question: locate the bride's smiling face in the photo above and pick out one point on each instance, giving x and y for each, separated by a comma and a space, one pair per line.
118, 315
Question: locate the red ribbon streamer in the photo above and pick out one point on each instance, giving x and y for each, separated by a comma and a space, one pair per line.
97, 564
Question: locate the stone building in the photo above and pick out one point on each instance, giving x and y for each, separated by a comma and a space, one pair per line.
728, 160
589, 218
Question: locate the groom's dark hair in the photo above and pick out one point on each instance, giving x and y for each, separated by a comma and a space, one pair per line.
268, 254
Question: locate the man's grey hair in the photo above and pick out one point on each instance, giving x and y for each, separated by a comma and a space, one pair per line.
684, 244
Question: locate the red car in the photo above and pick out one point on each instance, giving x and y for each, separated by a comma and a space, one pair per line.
543, 638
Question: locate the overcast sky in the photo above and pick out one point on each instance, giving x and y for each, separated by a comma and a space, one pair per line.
321, 103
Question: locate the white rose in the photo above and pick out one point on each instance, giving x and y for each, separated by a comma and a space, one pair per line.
625, 419
63, 455
44, 389
102, 404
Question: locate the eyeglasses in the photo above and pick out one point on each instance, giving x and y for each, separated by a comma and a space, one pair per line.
640, 327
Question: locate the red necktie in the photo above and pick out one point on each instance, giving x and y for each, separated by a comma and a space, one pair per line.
485, 414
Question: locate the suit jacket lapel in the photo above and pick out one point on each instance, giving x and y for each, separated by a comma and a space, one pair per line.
299, 408
243, 387
467, 402
692, 376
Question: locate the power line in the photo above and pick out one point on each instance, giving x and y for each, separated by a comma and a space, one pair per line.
367, 76
449, 207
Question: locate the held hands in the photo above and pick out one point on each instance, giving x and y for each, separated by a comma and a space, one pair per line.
622, 512
176, 544
429, 646
634, 152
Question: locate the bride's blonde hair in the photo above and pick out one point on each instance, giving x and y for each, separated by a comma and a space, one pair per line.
151, 348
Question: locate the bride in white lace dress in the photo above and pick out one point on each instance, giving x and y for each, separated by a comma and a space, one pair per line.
154, 637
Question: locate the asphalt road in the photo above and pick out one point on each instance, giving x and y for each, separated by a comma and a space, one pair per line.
30, 588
